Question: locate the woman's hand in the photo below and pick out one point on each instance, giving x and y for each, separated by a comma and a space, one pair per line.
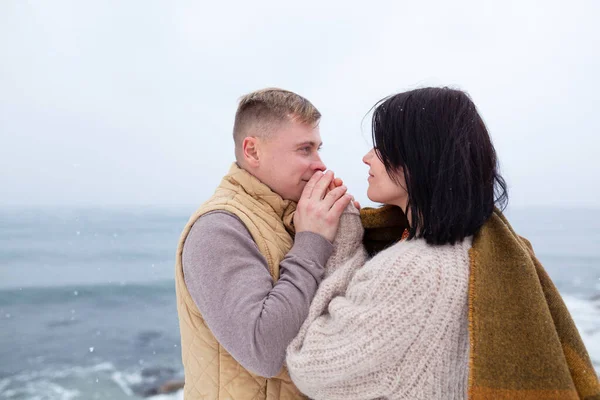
337, 182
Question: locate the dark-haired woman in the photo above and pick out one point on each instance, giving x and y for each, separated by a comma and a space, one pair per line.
458, 307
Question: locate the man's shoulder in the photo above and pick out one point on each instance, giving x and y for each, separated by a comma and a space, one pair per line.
217, 216
218, 223
219, 235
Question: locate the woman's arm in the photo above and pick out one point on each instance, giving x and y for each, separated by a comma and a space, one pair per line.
348, 241
361, 324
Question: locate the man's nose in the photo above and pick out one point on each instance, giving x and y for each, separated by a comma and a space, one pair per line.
318, 165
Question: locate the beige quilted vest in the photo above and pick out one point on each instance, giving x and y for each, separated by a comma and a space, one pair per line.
210, 372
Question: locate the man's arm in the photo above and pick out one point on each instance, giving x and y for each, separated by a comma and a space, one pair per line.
254, 318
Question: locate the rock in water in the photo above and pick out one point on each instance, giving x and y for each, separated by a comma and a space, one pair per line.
170, 386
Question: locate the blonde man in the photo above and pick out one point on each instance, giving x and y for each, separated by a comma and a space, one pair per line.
250, 259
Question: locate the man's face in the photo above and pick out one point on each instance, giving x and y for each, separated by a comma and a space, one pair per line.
289, 159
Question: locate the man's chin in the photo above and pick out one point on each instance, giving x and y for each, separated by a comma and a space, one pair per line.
297, 196
291, 197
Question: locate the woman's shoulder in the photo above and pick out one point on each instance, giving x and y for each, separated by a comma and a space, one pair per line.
413, 269
420, 247
417, 251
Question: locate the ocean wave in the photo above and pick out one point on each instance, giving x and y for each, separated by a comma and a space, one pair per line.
123, 381
41, 390
173, 396
586, 314
65, 372
102, 381
77, 293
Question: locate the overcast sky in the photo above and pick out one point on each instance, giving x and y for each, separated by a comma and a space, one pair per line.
132, 102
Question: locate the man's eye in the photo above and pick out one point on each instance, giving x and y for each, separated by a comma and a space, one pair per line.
305, 149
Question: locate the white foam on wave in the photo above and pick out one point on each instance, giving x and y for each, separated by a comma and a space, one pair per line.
124, 380
586, 314
57, 383
173, 396
3, 384
54, 373
46, 384
42, 390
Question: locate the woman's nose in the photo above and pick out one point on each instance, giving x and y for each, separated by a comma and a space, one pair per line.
367, 157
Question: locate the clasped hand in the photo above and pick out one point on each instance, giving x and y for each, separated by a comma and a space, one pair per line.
321, 205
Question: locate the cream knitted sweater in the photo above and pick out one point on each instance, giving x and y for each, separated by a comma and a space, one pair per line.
393, 327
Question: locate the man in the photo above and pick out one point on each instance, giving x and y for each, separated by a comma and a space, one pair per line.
244, 282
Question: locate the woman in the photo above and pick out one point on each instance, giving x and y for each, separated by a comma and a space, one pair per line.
458, 307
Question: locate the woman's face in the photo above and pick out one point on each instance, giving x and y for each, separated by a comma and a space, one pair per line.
382, 189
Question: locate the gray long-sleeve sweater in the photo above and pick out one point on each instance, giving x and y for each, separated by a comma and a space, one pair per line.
254, 318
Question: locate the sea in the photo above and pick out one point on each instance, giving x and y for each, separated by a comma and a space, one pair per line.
87, 297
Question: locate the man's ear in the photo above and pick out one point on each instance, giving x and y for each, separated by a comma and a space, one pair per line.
250, 151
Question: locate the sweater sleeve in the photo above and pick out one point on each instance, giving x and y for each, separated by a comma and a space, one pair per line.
228, 278
359, 324
348, 240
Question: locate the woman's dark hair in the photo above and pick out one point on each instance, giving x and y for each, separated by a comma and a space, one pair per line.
437, 138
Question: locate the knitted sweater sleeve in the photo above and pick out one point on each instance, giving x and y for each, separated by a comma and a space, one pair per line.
348, 241
348, 256
362, 323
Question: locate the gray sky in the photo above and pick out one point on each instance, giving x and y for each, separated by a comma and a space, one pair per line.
113, 102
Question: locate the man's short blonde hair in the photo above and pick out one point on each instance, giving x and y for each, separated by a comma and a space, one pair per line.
260, 113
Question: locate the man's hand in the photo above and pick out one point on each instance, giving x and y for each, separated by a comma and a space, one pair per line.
319, 209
